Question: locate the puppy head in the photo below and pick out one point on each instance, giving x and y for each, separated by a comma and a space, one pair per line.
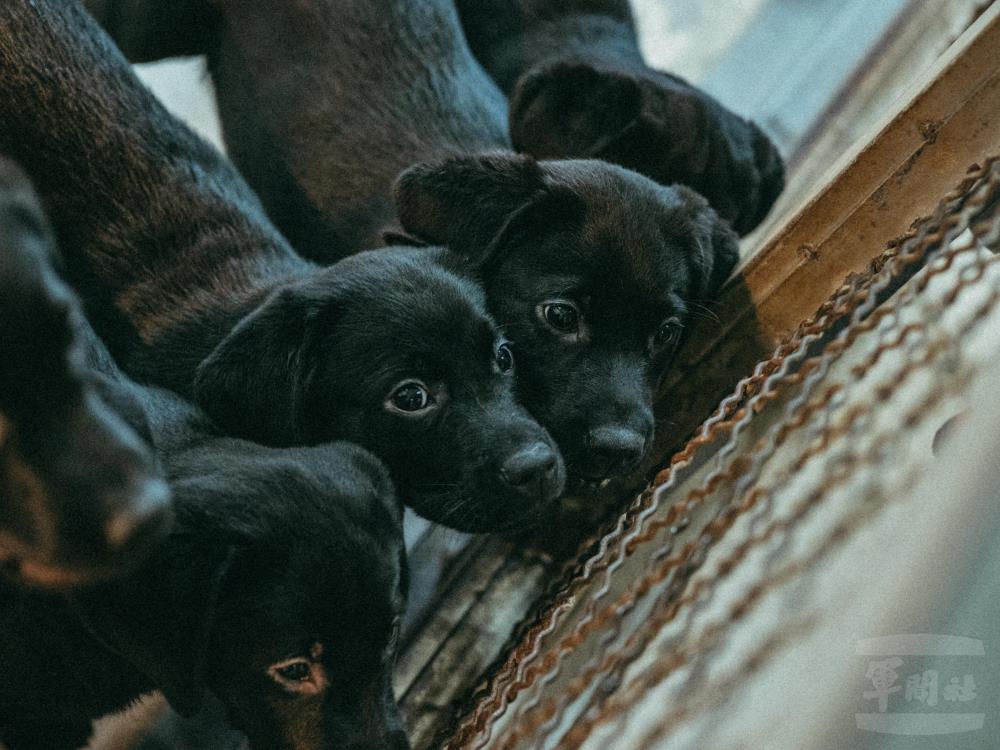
80, 492
390, 350
592, 271
654, 124
280, 591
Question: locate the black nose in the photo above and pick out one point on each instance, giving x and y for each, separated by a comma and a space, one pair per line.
616, 449
530, 468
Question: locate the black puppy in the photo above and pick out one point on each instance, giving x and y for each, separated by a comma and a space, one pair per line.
390, 350
279, 589
579, 88
81, 494
592, 270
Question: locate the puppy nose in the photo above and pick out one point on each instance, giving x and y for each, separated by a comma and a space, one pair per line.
617, 449
143, 518
531, 466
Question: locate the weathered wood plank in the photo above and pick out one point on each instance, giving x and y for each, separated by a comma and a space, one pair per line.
457, 652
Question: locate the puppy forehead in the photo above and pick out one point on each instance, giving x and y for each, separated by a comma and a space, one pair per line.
349, 588
633, 234
417, 310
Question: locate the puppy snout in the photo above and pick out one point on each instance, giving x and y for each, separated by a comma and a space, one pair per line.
533, 468
615, 449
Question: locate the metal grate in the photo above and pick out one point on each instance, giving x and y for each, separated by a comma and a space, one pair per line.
724, 565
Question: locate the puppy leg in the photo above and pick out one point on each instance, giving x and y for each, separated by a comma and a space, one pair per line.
579, 88
148, 30
509, 37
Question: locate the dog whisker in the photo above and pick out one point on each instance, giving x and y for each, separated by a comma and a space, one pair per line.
704, 311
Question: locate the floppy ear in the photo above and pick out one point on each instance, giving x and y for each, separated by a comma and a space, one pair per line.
161, 622
396, 237
715, 247
465, 202
254, 383
571, 109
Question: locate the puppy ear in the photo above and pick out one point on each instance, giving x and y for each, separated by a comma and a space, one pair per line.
715, 247
465, 202
254, 382
571, 109
161, 622
396, 237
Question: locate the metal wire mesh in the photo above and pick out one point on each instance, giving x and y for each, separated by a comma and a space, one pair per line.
640, 643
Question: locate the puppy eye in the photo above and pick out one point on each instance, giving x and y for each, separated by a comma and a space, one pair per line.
561, 316
300, 675
505, 358
410, 397
666, 335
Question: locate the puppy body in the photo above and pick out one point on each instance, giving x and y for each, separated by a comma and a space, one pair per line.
406, 89
117, 173
81, 493
579, 86
324, 164
280, 559
199, 293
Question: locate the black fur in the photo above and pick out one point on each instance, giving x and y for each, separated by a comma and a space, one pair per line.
273, 553
81, 494
579, 88
344, 94
202, 295
578, 84
274, 550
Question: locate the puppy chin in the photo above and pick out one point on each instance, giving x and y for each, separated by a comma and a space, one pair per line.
581, 484
585, 486
499, 515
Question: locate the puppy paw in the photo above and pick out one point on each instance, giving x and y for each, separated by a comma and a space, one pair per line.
654, 124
